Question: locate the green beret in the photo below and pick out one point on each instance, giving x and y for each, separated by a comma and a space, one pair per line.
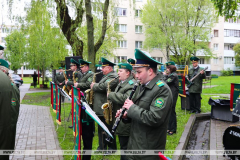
83, 63
1, 47
106, 62
144, 59
194, 59
124, 66
73, 62
60, 68
131, 61
4, 63
170, 63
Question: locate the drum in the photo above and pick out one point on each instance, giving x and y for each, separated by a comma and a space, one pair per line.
231, 140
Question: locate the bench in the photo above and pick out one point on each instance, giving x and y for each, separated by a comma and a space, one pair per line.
207, 80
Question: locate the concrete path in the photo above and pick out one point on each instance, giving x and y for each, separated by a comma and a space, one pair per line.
35, 130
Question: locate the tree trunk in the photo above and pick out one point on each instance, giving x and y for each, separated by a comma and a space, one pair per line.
15, 71
69, 26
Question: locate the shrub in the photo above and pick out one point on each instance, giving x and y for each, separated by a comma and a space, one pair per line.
227, 72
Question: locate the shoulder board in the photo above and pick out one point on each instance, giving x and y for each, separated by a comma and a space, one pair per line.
160, 83
130, 82
12, 84
90, 72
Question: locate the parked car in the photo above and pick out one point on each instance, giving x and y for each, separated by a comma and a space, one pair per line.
17, 80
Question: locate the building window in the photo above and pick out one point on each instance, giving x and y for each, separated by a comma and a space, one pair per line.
121, 11
138, 44
215, 33
3, 40
215, 60
138, 29
229, 60
159, 59
231, 33
122, 44
215, 46
228, 46
138, 12
120, 59
122, 28
201, 61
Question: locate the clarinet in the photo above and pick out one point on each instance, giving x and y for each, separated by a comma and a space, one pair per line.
119, 118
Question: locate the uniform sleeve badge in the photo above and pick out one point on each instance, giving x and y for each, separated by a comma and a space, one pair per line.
169, 79
89, 79
159, 102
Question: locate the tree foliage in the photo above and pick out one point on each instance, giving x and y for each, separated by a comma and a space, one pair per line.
15, 49
236, 49
181, 27
46, 46
226, 8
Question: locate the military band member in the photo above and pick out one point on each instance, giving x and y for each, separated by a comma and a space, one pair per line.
60, 79
196, 89
87, 122
118, 98
149, 110
9, 109
74, 66
100, 97
171, 78
132, 62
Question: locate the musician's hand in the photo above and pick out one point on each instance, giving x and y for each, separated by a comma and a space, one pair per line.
75, 84
92, 85
164, 73
202, 72
107, 94
127, 104
119, 112
66, 81
60, 84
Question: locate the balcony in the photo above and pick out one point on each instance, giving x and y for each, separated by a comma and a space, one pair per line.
200, 52
231, 40
229, 53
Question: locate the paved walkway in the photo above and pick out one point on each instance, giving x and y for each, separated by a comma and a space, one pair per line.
35, 130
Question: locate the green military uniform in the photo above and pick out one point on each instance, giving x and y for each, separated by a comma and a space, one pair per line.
150, 113
87, 122
173, 83
196, 89
100, 97
60, 79
77, 74
118, 97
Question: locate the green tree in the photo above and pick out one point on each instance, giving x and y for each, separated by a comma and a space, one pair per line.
181, 27
46, 46
236, 49
226, 8
15, 49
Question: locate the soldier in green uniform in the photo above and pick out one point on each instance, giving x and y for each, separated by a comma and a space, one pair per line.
87, 121
149, 110
196, 89
74, 66
9, 109
100, 97
171, 78
60, 79
118, 98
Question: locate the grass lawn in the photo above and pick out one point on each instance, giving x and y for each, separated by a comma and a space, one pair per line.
224, 84
65, 135
29, 80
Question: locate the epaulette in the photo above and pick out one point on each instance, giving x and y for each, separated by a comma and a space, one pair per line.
130, 82
160, 83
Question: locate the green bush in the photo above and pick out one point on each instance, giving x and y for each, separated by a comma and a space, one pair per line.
214, 75
227, 72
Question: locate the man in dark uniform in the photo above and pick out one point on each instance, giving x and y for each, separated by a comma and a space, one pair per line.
171, 78
87, 121
196, 89
149, 110
100, 97
9, 109
118, 98
60, 79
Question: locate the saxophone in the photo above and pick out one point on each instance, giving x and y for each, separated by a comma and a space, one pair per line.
107, 107
89, 92
74, 81
65, 87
